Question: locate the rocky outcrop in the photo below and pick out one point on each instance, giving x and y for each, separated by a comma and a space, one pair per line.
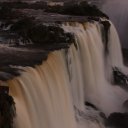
31, 30
118, 120
120, 78
7, 108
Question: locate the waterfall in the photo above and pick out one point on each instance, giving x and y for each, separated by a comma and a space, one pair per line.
53, 95
91, 55
117, 11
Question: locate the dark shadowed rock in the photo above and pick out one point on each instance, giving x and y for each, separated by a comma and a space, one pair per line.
31, 31
125, 56
120, 78
8, 72
7, 108
77, 9
118, 120
101, 114
91, 105
105, 34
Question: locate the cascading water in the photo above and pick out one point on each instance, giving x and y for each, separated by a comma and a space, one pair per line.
117, 11
53, 95
91, 56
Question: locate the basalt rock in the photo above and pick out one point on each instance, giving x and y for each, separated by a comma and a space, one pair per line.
23, 5
28, 30
7, 108
7, 13
101, 114
91, 105
125, 56
42, 35
105, 34
51, 35
117, 120
77, 9
8, 71
24, 27
120, 78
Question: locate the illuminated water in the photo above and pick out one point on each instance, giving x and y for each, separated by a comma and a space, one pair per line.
53, 94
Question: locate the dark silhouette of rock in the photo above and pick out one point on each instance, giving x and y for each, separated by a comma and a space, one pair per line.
7, 108
118, 120
95, 108
120, 78
37, 31
78, 9
105, 34
91, 105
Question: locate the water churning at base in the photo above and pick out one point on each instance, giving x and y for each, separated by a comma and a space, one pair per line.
53, 95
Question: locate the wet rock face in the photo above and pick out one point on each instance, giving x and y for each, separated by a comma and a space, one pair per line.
32, 30
8, 72
42, 35
69, 8
77, 9
7, 108
27, 29
105, 34
118, 120
91, 105
120, 78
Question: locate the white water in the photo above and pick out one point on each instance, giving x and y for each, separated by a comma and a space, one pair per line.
45, 96
52, 95
97, 89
